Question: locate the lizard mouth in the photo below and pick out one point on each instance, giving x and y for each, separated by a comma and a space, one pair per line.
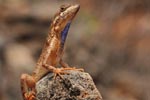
75, 9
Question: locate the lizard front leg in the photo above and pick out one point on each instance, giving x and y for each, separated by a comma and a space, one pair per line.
28, 87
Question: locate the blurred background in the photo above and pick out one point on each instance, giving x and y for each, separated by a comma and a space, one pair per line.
110, 39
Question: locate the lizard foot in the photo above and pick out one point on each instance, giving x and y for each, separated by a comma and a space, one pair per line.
61, 71
30, 96
74, 68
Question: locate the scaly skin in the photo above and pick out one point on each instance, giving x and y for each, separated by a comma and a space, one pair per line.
52, 51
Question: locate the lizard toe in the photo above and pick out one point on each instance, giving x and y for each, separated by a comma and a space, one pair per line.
30, 96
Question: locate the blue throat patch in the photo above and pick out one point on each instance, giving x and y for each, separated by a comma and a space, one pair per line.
64, 34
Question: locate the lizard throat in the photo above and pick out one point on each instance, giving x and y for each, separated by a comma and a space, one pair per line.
64, 34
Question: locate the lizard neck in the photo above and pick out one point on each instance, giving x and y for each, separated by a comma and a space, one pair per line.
64, 34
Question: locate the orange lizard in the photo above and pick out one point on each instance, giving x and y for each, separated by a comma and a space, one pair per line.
52, 51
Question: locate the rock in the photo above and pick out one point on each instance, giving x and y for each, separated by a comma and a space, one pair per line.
75, 85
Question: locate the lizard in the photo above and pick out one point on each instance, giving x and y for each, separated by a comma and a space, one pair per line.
52, 51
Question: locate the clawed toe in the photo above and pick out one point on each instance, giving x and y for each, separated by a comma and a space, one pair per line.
30, 96
78, 69
59, 72
74, 68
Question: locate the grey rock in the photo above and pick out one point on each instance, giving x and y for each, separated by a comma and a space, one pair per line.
74, 85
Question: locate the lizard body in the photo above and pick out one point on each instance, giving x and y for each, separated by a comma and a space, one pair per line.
52, 51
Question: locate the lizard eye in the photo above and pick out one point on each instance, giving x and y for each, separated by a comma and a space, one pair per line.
62, 8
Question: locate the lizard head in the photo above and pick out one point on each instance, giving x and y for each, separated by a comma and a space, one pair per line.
65, 16
63, 19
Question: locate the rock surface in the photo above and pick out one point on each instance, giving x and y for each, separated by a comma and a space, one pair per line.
73, 86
